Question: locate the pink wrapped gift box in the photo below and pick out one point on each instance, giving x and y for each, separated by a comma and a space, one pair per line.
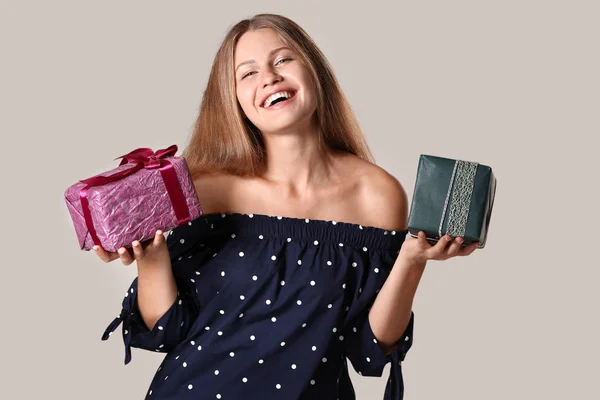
148, 191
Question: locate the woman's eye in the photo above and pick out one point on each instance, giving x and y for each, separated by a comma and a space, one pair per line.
277, 63
283, 59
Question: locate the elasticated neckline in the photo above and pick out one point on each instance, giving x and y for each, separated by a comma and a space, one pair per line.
340, 233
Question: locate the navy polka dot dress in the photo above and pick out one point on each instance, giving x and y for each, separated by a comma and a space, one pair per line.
269, 308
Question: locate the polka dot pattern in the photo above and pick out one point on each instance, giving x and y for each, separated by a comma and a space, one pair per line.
246, 285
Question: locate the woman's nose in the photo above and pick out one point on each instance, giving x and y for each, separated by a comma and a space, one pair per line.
270, 78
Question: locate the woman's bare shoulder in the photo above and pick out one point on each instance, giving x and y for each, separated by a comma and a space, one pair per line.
382, 198
215, 191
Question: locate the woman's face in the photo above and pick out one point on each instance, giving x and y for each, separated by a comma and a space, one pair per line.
273, 86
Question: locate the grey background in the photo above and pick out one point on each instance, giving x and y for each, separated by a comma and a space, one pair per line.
510, 84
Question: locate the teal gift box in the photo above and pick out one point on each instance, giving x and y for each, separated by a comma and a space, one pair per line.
453, 197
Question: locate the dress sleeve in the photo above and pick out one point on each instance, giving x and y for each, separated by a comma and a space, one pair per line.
172, 326
368, 359
360, 345
365, 353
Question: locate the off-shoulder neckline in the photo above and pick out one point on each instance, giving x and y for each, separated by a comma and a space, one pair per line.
316, 231
298, 219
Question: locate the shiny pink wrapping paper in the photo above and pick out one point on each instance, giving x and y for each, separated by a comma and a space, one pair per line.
131, 208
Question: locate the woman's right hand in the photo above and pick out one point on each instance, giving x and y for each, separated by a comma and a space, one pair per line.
151, 251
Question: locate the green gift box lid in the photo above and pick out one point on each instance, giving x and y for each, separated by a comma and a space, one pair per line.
453, 197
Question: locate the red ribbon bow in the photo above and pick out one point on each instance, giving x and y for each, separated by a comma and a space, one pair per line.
142, 158
149, 158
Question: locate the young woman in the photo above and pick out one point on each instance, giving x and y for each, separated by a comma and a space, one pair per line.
300, 261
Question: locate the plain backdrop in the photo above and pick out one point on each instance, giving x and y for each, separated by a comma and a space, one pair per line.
510, 84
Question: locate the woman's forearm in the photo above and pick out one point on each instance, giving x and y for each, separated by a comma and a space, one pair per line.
156, 291
392, 308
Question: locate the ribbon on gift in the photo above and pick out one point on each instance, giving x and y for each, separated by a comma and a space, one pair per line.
458, 198
141, 158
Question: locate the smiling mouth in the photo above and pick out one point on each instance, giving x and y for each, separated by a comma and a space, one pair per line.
282, 99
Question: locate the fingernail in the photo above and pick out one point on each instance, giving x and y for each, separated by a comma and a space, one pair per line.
448, 238
460, 240
95, 248
158, 233
136, 243
121, 251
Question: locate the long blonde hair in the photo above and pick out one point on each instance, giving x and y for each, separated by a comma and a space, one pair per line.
224, 140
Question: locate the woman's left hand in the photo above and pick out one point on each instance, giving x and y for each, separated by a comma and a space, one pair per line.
420, 251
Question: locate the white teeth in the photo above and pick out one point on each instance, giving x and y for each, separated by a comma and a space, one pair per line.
275, 96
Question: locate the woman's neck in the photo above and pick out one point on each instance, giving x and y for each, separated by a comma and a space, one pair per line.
297, 162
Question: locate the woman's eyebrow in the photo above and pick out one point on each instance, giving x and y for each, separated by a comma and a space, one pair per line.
251, 61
